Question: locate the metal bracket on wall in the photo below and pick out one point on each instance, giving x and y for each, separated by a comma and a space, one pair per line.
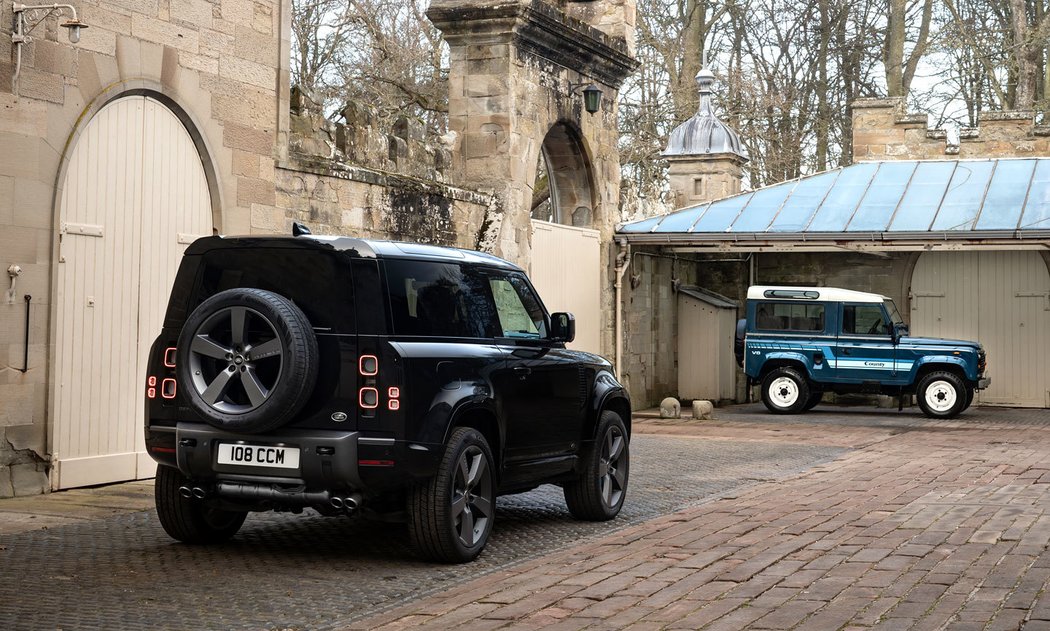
25, 353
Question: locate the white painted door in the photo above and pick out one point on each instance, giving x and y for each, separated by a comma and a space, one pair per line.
1001, 299
135, 187
566, 270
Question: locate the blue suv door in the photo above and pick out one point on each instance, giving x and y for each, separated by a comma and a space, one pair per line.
865, 350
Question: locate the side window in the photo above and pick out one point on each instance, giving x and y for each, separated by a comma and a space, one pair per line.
520, 314
864, 320
787, 316
438, 299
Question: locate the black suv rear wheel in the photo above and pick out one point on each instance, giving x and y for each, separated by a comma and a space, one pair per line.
189, 519
250, 360
451, 515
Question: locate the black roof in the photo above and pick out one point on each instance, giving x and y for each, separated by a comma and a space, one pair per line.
364, 248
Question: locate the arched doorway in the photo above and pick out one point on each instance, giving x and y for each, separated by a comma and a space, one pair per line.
1001, 299
566, 254
133, 196
564, 190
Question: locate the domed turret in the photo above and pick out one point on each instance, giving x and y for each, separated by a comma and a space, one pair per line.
704, 133
705, 156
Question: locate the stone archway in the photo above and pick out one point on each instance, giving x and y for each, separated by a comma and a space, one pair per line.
518, 69
564, 189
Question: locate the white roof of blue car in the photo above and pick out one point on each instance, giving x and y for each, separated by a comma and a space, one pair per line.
822, 294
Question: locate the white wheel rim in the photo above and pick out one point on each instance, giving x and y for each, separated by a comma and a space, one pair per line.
941, 396
783, 392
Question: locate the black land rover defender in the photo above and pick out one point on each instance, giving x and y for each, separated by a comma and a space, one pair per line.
394, 380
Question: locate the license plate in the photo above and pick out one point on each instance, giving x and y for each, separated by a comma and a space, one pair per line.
259, 456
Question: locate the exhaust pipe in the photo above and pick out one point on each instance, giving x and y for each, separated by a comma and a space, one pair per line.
199, 493
186, 492
337, 503
352, 502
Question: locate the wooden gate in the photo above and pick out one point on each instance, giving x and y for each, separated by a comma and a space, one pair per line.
1001, 299
134, 195
566, 270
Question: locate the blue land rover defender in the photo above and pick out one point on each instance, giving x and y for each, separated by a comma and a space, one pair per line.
800, 342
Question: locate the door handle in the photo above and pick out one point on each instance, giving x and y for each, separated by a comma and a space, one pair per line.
522, 372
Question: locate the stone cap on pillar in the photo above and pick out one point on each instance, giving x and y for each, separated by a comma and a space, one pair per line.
539, 28
704, 134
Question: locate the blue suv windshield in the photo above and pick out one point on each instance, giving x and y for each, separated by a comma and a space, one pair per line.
891, 309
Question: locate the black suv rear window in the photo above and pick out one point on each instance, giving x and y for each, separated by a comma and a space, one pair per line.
439, 299
315, 281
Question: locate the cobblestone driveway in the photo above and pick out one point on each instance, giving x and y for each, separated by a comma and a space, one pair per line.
310, 572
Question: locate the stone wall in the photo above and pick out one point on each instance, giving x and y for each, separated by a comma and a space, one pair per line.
883, 130
218, 63
358, 178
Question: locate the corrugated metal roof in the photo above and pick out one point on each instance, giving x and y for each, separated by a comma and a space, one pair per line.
875, 201
708, 296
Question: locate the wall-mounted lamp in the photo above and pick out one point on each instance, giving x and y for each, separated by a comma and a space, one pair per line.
26, 20
592, 96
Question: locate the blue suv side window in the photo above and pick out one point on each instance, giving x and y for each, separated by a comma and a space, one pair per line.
864, 320
787, 316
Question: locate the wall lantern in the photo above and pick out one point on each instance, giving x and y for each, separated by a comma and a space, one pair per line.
26, 20
592, 96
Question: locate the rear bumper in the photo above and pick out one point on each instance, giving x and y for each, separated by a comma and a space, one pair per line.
327, 459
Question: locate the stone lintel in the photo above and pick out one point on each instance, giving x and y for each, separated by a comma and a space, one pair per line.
538, 28
894, 102
1026, 116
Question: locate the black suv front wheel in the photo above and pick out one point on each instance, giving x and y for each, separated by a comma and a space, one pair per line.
451, 515
598, 494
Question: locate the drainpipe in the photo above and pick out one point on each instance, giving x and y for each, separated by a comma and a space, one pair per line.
623, 261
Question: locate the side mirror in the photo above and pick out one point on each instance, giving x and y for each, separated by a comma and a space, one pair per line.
563, 327
899, 330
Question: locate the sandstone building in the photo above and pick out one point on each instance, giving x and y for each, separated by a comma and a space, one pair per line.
173, 119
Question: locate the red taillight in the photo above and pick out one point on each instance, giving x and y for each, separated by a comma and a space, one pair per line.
151, 393
375, 463
393, 405
368, 398
162, 450
152, 381
368, 365
167, 388
393, 392
169, 357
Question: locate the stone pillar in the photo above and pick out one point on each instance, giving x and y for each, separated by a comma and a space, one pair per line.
517, 69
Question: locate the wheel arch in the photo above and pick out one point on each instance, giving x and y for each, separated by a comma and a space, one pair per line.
482, 418
783, 361
935, 364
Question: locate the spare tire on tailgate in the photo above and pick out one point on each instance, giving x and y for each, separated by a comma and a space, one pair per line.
247, 360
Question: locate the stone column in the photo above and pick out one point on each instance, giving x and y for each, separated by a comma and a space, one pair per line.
517, 68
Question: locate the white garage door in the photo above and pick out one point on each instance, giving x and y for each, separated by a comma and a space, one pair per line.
134, 195
566, 270
1001, 299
